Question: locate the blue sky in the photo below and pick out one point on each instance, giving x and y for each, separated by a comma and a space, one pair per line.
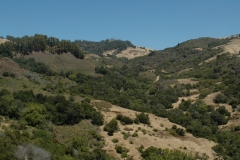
154, 24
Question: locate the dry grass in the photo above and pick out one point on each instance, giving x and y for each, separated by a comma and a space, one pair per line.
233, 47
192, 98
3, 40
209, 100
235, 116
131, 53
184, 81
160, 139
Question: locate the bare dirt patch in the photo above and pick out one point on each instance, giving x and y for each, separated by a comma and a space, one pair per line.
233, 47
184, 81
3, 40
209, 100
235, 116
157, 79
187, 81
163, 71
185, 70
192, 97
131, 53
158, 138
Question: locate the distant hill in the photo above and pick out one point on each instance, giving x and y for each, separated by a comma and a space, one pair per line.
3, 40
105, 45
119, 101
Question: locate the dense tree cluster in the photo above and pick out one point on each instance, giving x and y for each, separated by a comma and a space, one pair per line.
34, 66
39, 43
39, 109
102, 46
166, 154
200, 120
39, 112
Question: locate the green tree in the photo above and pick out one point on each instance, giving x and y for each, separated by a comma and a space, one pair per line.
111, 127
34, 114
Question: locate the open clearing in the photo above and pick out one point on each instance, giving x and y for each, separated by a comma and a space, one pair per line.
131, 53
192, 97
209, 100
158, 138
3, 40
184, 81
233, 47
235, 116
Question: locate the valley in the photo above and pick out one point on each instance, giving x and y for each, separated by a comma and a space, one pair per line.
182, 101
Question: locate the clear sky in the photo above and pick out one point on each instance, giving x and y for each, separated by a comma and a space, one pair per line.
154, 24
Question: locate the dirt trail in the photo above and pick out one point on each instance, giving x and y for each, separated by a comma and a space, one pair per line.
233, 47
185, 70
184, 81
209, 100
192, 97
160, 138
157, 79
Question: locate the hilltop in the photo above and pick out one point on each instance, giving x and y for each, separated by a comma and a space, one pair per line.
114, 100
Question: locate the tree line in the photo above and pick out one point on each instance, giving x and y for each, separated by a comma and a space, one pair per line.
104, 45
39, 43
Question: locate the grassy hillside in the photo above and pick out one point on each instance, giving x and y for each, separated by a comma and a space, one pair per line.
105, 107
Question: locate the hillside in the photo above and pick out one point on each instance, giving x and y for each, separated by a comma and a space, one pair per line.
119, 101
3, 40
156, 135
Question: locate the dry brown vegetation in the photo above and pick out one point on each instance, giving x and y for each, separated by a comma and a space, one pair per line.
233, 47
156, 135
3, 40
131, 53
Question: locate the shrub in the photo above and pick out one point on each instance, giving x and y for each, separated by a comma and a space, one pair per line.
120, 149
180, 131
97, 118
126, 135
115, 140
143, 118
111, 127
220, 98
174, 127
144, 131
237, 128
135, 134
124, 119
